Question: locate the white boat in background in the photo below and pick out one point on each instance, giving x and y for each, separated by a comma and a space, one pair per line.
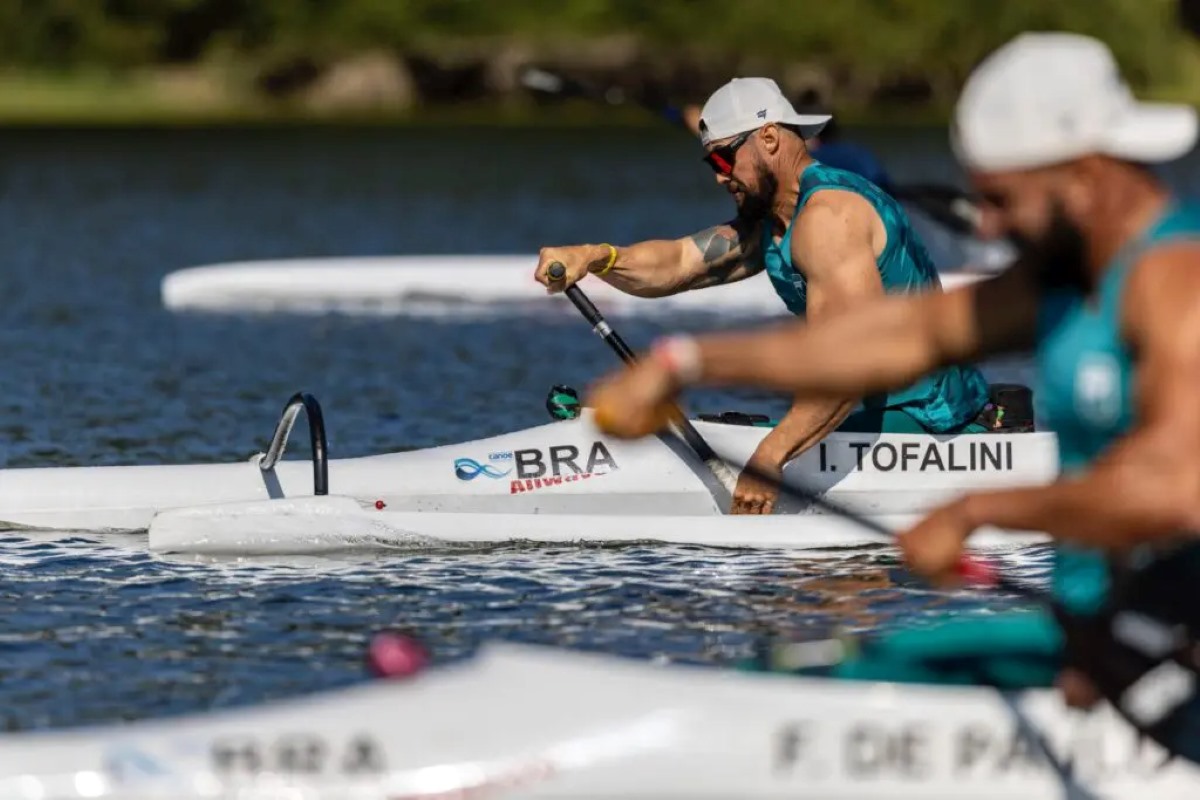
435, 285
520, 721
563, 481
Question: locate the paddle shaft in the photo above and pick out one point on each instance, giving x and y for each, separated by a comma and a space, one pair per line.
588, 309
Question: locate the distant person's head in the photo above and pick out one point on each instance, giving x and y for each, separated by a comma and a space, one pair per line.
809, 102
752, 136
1052, 138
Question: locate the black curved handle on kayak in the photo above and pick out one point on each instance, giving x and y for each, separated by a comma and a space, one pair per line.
316, 437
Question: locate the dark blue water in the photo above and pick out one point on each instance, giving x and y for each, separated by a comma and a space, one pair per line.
94, 372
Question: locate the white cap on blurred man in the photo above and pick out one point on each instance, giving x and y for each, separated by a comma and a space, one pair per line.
1046, 98
745, 104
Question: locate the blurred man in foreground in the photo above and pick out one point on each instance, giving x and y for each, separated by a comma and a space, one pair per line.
1106, 292
829, 240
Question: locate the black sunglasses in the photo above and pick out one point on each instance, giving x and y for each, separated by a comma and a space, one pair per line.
721, 158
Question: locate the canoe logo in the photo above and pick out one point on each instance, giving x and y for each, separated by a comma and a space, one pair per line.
468, 469
542, 469
532, 463
1098, 389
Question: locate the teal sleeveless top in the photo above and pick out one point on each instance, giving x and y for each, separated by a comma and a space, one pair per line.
1086, 383
942, 402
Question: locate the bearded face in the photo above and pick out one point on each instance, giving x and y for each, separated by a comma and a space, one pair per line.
755, 197
742, 168
1058, 254
1032, 209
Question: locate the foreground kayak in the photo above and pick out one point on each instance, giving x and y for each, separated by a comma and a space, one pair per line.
566, 471
433, 285
519, 721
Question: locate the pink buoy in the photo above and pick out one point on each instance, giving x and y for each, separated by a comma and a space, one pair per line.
396, 655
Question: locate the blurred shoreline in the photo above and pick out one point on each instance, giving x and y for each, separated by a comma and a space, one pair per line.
372, 90
33, 100
416, 62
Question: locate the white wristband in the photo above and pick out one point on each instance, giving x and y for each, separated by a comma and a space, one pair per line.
681, 356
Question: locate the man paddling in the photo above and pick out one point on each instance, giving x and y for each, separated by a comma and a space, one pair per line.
829, 240
1106, 291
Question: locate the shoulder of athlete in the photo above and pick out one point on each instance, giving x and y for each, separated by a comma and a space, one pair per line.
834, 225
1161, 322
1161, 303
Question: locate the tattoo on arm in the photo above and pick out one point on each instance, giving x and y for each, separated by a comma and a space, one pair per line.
726, 249
716, 243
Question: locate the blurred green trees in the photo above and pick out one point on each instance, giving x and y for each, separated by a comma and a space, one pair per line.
866, 34
855, 43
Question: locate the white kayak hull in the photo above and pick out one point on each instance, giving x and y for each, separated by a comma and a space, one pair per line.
433, 285
561, 468
539, 723
325, 525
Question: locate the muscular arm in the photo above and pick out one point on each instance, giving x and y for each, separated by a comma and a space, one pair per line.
882, 344
833, 243
720, 254
1148, 484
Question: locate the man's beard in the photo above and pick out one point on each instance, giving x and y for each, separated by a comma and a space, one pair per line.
756, 206
1059, 256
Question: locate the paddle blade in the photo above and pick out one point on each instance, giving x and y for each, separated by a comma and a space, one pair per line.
539, 80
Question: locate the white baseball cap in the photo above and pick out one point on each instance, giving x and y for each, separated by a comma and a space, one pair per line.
745, 104
1045, 98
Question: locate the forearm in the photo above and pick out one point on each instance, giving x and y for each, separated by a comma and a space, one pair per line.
645, 269
878, 346
711, 257
806, 423
1103, 509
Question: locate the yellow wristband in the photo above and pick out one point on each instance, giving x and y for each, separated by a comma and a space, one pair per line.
612, 259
